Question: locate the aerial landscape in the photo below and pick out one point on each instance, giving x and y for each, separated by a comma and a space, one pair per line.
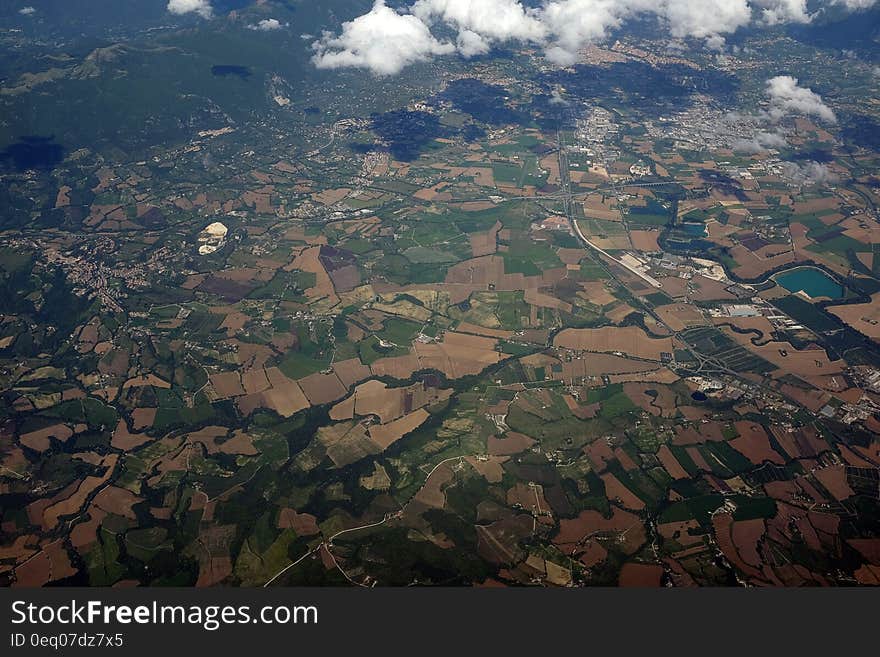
563, 293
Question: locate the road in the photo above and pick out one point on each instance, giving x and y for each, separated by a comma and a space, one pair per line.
568, 203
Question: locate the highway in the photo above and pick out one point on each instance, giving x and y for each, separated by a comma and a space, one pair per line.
568, 202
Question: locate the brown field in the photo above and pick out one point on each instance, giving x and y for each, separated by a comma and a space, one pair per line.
490, 468
746, 534
285, 397
304, 524
625, 460
239, 444
679, 531
143, 417
479, 273
585, 412
512, 443
697, 458
309, 261
226, 385
674, 286
663, 376
594, 208
760, 324
680, 316
645, 240
458, 354
810, 398
863, 317
710, 290
20, 549
344, 410
616, 491
351, 372
69, 506
119, 501
385, 435
234, 322
431, 494
661, 403
834, 481
699, 434
754, 444
868, 548
125, 440
868, 575
672, 466
49, 565
483, 244
804, 442
216, 440
499, 541
375, 398
331, 196
146, 380
806, 363
255, 381
39, 440
574, 532
752, 265
594, 365
213, 570
473, 329
640, 575
816, 205
346, 443
322, 389
84, 534
630, 340
399, 367
600, 454
541, 300
531, 499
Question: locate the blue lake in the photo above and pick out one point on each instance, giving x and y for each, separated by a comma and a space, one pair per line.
814, 282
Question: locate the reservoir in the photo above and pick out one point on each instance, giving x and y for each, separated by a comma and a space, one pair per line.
814, 282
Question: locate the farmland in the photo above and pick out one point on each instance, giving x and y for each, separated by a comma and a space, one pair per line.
488, 321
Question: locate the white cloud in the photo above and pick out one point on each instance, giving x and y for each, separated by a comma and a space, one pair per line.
493, 20
761, 142
705, 18
386, 40
268, 25
574, 23
810, 173
201, 7
775, 12
470, 44
381, 41
855, 5
787, 96
27, 11
557, 99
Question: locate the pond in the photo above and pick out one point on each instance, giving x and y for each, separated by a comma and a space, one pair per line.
813, 282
